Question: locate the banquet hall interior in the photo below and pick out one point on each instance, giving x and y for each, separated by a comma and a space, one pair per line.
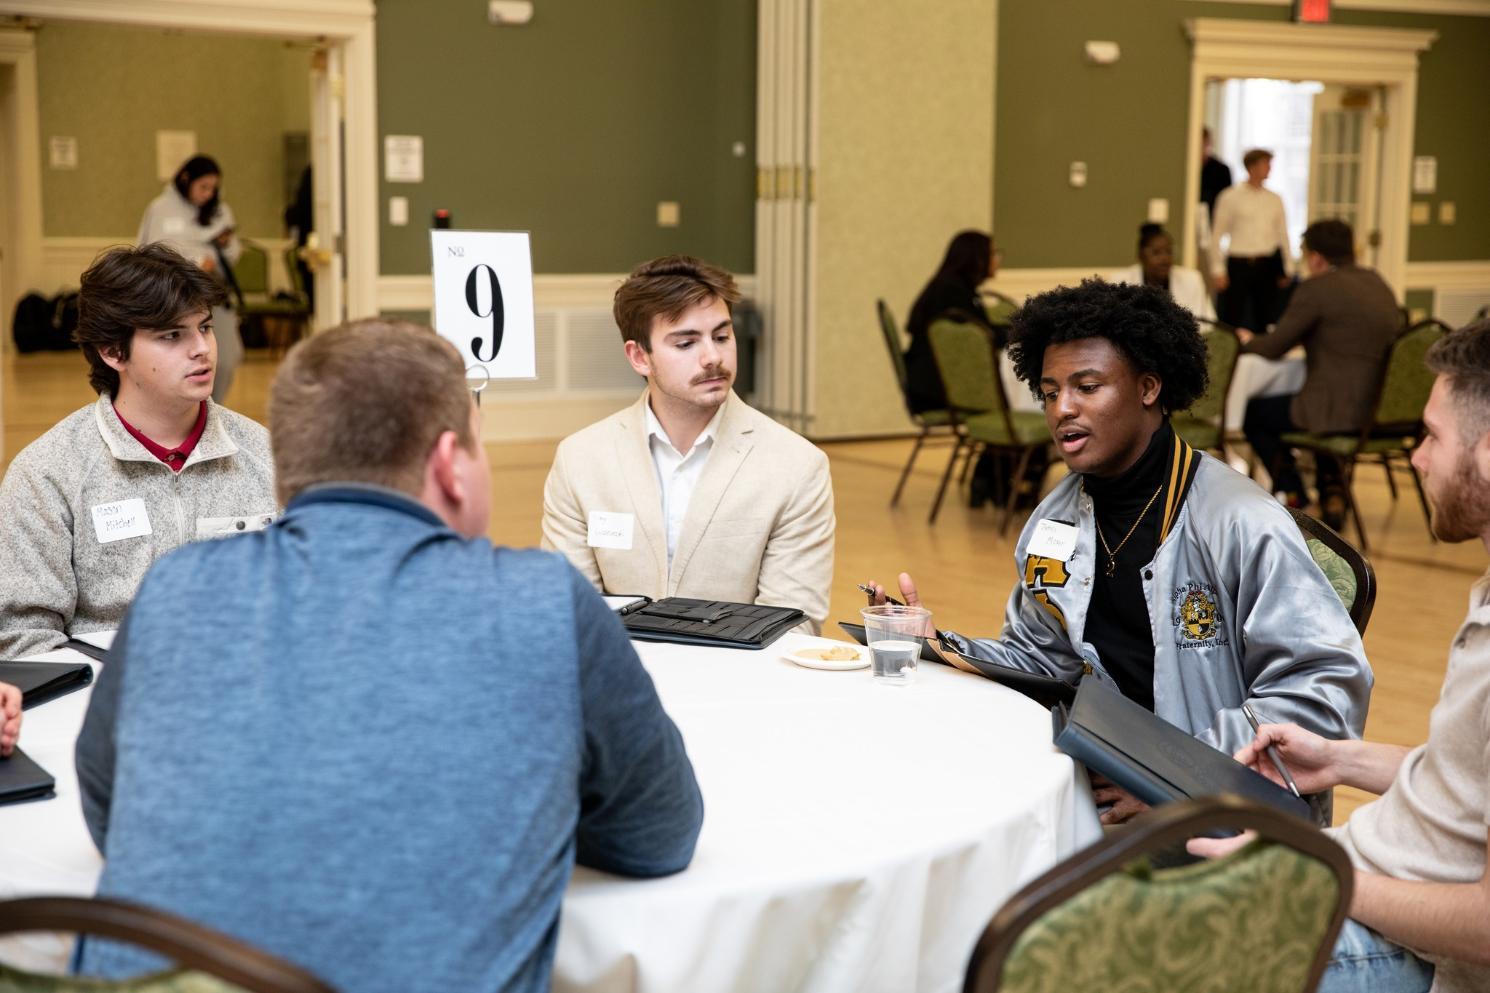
824, 151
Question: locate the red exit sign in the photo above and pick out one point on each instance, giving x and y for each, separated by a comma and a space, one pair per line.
1311, 11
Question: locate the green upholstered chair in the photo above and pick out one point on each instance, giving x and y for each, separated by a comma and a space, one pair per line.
1263, 918
1204, 424
981, 415
1396, 422
934, 424
1348, 571
286, 313
209, 962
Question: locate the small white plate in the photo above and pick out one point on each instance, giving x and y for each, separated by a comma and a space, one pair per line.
808, 657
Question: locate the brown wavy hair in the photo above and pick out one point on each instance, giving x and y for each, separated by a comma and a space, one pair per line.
129, 289
666, 287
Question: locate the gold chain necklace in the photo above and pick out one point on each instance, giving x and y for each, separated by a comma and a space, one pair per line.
1112, 552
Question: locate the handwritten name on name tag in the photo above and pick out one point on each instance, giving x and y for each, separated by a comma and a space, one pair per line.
1053, 540
120, 519
610, 530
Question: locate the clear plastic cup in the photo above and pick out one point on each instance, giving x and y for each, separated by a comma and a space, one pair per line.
894, 634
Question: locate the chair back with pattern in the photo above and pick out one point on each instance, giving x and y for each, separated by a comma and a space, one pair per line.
1348, 571
212, 962
1203, 425
252, 269
891, 333
966, 361
1406, 382
1263, 918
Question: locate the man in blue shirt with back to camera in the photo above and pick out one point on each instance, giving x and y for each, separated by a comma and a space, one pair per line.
383, 755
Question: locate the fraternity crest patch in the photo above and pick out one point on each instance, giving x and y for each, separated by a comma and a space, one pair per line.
1197, 617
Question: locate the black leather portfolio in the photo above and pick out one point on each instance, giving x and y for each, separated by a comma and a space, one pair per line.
84, 648
714, 623
1047, 691
43, 681
22, 779
1151, 758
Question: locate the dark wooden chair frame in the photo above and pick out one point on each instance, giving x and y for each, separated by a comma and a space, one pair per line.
1153, 831
184, 942
1365, 576
935, 432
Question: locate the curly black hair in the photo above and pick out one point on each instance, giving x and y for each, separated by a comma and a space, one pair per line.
1153, 332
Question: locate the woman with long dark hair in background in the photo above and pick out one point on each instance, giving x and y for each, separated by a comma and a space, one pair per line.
190, 217
952, 292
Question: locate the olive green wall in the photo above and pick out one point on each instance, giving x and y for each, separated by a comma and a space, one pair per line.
112, 88
1128, 121
574, 126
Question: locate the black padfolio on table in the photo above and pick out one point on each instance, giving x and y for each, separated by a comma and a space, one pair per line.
712, 623
1151, 758
43, 681
22, 779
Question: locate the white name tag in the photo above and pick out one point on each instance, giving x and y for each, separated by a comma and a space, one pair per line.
221, 527
120, 519
1053, 540
610, 530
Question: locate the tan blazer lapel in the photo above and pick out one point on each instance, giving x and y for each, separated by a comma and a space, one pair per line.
634, 460
731, 445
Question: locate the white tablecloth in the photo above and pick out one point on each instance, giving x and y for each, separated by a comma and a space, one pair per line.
1256, 376
856, 837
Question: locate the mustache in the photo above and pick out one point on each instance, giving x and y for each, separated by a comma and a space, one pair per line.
718, 372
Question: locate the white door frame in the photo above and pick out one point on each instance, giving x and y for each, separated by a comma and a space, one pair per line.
1386, 57
344, 24
21, 266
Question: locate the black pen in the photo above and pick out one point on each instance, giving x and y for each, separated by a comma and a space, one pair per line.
869, 590
1272, 752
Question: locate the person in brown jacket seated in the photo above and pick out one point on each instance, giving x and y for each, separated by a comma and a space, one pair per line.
1346, 318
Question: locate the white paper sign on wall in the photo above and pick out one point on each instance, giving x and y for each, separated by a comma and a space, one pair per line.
484, 300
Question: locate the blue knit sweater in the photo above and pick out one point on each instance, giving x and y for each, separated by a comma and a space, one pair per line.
369, 745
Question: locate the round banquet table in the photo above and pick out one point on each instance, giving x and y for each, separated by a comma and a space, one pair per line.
856, 836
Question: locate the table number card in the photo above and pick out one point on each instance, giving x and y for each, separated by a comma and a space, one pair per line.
484, 300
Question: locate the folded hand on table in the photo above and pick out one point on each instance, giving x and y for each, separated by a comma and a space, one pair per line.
10, 718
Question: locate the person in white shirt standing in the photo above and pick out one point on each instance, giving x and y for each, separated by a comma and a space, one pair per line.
1257, 260
689, 492
190, 217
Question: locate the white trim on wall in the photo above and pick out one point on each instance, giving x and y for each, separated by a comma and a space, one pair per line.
347, 23
1021, 284
1468, 8
550, 290
1470, 275
64, 259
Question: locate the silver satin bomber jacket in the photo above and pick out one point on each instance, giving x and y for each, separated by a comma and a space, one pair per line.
1238, 610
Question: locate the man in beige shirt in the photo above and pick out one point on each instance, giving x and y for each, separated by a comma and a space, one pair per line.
1421, 908
689, 492
1259, 259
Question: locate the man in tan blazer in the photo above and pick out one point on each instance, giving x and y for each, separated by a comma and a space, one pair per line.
689, 492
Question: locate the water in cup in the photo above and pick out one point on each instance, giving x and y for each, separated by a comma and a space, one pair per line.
894, 660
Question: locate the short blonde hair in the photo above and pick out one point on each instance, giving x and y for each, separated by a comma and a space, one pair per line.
365, 402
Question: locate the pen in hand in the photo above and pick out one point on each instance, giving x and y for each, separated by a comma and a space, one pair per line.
1272, 752
869, 591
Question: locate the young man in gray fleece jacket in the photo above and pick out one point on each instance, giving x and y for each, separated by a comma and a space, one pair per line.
151, 465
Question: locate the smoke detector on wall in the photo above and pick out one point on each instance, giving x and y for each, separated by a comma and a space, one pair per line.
509, 11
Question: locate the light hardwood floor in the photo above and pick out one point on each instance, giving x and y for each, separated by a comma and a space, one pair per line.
963, 567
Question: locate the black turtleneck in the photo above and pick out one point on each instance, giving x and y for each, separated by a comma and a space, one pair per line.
1117, 620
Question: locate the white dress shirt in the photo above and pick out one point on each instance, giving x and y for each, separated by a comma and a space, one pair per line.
678, 474
1253, 220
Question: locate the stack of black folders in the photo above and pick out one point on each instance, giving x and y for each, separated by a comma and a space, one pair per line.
711, 623
21, 778
1047, 691
1151, 758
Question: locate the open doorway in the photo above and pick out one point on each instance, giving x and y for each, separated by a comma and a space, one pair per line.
1326, 145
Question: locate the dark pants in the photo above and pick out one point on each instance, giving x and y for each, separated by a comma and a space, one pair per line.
1267, 420
1251, 299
